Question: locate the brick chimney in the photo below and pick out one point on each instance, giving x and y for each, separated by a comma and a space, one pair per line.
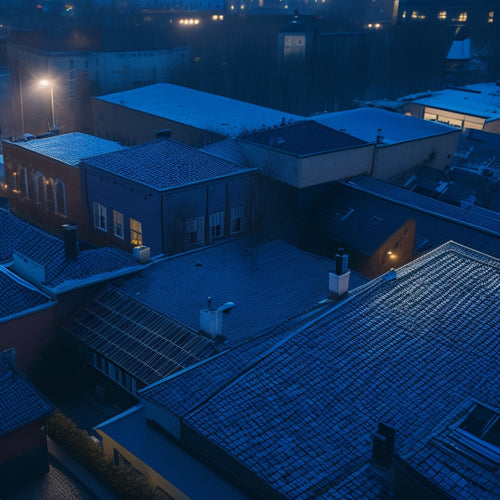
71, 247
211, 320
338, 283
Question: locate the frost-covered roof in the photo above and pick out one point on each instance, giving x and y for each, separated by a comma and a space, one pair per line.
164, 164
20, 402
19, 297
47, 251
365, 123
70, 148
304, 139
481, 99
211, 112
268, 284
406, 350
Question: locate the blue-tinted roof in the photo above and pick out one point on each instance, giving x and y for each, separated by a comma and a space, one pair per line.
47, 251
368, 123
227, 149
70, 148
164, 164
141, 341
268, 284
215, 113
19, 297
406, 350
304, 139
20, 403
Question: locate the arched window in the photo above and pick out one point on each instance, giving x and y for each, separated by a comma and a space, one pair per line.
40, 187
50, 194
22, 177
60, 197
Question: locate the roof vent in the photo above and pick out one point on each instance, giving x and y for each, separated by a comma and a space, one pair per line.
142, 254
211, 320
383, 446
338, 282
71, 247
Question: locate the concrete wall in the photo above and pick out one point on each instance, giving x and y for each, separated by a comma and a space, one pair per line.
129, 127
492, 126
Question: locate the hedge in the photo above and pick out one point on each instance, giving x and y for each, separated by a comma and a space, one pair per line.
124, 481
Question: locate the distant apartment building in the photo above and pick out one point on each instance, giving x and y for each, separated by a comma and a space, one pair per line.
73, 75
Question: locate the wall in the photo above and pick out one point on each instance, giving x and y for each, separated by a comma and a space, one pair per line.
394, 159
459, 120
492, 126
25, 205
130, 127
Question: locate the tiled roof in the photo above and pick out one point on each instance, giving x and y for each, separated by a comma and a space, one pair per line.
141, 341
48, 251
164, 164
215, 113
70, 148
268, 284
20, 403
304, 139
368, 123
228, 149
19, 297
406, 349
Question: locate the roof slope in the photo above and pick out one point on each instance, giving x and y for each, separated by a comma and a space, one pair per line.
268, 284
20, 403
70, 148
164, 164
423, 337
304, 139
215, 113
143, 342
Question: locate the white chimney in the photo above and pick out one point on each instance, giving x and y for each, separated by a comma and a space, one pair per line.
211, 320
338, 282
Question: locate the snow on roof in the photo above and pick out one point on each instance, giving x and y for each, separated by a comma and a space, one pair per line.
365, 123
459, 50
215, 113
407, 349
481, 99
70, 148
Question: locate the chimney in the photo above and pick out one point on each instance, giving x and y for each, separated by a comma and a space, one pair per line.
338, 284
380, 137
383, 446
165, 133
211, 320
71, 247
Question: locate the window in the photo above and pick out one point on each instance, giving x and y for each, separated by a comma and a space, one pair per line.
217, 225
39, 187
23, 182
135, 232
60, 197
236, 220
118, 224
100, 221
195, 231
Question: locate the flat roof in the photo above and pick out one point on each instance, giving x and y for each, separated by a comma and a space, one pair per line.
211, 112
368, 123
409, 349
70, 148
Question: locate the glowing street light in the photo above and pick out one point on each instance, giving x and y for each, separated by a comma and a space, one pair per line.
48, 83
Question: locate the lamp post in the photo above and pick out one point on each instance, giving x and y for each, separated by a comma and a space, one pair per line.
47, 83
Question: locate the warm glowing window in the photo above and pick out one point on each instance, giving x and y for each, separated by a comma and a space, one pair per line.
442, 14
414, 14
462, 17
118, 224
100, 221
491, 16
403, 15
135, 232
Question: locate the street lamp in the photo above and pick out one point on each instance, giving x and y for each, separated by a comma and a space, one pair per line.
48, 83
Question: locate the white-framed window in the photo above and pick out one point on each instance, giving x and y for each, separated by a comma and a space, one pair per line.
60, 200
237, 220
195, 231
23, 182
40, 189
217, 225
135, 232
100, 217
118, 224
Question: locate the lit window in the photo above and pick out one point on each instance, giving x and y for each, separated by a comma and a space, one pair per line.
236, 220
442, 15
217, 225
195, 231
135, 232
403, 15
491, 16
100, 221
118, 224
462, 17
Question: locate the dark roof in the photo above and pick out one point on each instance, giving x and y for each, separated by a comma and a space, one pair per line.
61, 274
136, 338
20, 403
407, 350
268, 284
304, 139
295, 25
164, 164
19, 297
